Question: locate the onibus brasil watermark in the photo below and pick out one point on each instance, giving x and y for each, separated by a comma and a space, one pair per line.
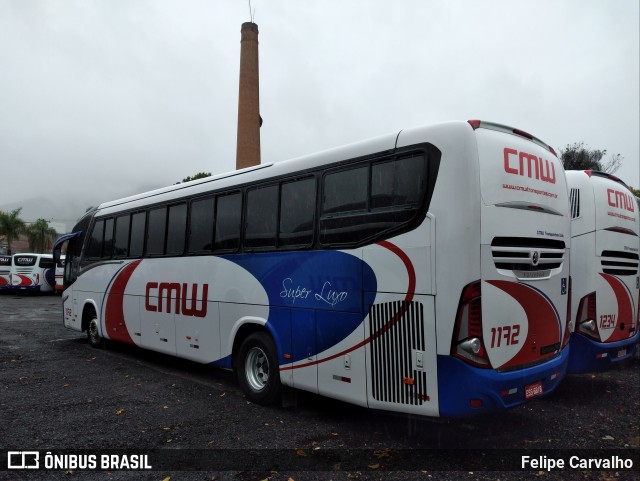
34, 460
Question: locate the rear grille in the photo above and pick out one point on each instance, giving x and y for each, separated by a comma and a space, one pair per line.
619, 263
24, 270
527, 257
574, 199
397, 329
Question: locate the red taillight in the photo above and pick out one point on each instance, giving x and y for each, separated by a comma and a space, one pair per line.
474, 124
553, 151
467, 343
586, 323
568, 323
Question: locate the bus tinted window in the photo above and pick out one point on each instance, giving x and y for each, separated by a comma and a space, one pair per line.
353, 215
262, 212
345, 191
95, 243
410, 180
228, 210
107, 246
24, 260
46, 263
201, 225
121, 246
382, 180
177, 229
297, 209
156, 231
136, 246
396, 183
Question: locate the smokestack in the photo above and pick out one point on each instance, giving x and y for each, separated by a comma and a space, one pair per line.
249, 121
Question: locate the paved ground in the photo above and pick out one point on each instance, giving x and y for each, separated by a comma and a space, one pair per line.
58, 393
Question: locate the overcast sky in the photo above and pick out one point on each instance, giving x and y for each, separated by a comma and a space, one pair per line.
105, 98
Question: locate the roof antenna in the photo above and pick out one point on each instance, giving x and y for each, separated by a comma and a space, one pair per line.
252, 13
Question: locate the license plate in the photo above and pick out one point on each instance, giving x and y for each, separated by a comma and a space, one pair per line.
533, 390
622, 352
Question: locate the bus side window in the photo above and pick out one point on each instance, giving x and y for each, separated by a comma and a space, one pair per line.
121, 245
228, 214
297, 212
96, 240
107, 246
136, 245
351, 213
262, 217
201, 224
177, 229
46, 263
156, 231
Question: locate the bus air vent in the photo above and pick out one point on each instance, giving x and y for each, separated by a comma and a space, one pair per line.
574, 199
527, 258
619, 263
397, 331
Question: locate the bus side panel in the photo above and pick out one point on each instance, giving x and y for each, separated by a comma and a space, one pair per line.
583, 270
198, 337
341, 375
401, 355
304, 345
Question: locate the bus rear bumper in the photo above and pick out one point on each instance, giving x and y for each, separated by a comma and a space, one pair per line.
588, 355
465, 390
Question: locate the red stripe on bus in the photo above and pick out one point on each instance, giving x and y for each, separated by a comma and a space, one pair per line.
115, 324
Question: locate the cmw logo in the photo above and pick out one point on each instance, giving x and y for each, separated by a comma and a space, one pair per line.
183, 303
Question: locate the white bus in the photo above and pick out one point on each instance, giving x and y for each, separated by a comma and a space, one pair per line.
604, 269
33, 272
5, 272
422, 272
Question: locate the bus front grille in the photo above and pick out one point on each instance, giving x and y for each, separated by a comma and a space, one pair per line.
619, 263
397, 332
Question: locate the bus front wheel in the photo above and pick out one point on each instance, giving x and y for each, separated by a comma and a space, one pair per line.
257, 369
93, 332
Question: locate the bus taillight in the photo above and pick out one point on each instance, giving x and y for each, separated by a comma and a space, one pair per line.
586, 320
467, 340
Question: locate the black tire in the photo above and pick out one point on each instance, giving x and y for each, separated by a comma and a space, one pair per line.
258, 370
93, 334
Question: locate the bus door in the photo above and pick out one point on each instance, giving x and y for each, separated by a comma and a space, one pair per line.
70, 272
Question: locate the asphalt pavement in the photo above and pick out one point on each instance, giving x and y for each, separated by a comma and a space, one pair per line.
59, 395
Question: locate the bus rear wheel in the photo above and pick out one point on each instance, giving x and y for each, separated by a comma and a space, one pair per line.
257, 369
93, 332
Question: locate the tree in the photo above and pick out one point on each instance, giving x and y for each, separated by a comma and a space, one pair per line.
199, 175
40, 236
578, 156
11, 226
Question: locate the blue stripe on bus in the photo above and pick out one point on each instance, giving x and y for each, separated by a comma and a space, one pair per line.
321, 291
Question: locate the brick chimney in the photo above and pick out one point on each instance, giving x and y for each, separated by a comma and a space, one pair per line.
249, 121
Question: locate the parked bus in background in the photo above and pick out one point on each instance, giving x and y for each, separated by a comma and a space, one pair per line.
605, 244
422, 272
5, 272
59, 286
33, 272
